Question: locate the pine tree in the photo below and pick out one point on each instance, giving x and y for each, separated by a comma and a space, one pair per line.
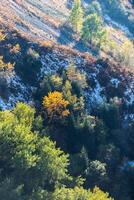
93, 31
76, 17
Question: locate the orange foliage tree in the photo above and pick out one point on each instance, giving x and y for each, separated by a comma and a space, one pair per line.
56, 105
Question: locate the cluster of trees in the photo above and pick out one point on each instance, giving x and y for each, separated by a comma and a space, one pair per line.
57, 150
89, 24
31, 166
95, 143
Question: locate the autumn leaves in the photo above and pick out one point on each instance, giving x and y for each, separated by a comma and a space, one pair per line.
56, 105
60, 101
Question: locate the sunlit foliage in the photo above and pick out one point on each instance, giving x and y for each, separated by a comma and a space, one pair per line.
76, 16
56, 105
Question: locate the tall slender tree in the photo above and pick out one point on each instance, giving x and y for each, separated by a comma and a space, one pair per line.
76, 16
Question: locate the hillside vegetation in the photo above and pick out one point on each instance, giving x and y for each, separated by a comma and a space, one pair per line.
66, 100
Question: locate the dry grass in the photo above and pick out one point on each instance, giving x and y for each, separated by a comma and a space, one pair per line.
34, 18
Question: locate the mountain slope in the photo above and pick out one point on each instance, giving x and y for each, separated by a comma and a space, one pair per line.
36, 19
106, 80
43, 20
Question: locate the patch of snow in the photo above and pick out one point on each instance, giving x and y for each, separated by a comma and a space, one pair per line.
3, 104
51, 64
115, 82
129, 94
127, 119
19, 92
94, 96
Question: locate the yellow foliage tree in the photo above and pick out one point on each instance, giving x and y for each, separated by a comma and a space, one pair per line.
2, 35
56, 105
3, 66
76, 16
16, 48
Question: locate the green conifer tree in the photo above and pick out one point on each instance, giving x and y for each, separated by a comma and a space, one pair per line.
76, 16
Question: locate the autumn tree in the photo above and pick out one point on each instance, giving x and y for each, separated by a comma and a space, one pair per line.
2, 64
16, 49
76, 16
56, 105
2, 35
5, 66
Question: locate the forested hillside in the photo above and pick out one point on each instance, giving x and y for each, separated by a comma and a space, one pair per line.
66, 100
